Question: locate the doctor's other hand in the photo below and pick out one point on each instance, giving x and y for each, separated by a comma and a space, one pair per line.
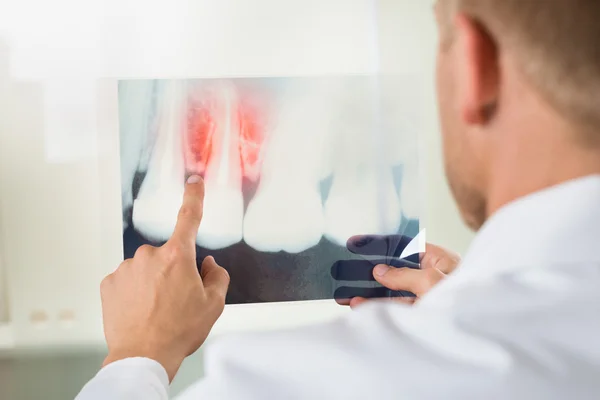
157, 305
404, 280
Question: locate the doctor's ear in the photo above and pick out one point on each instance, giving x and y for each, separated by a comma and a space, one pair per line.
477, 71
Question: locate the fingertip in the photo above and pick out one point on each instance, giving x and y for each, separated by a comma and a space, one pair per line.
209, 259
209, 263
380, 270
356, 301
195, 185
405, 300
194, 179
357, 242
352, 240
210, 266
343, 302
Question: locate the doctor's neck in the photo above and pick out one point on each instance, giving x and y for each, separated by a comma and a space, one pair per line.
537, 150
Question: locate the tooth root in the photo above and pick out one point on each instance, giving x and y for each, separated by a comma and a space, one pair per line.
286, 213
219, 161
135, 116
363, 197
252, 123
155, 210
151, 127
198, 137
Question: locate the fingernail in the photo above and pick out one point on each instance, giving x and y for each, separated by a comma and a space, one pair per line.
194, 179
363, 242
381, 269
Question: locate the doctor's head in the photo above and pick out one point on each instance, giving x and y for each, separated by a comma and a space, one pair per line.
519, 97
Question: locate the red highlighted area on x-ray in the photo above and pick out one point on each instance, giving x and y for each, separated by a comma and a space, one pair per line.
224, 126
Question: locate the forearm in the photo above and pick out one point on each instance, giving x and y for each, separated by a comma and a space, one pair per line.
131, 379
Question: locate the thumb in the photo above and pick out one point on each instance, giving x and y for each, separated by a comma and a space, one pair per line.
417, 281
214, 277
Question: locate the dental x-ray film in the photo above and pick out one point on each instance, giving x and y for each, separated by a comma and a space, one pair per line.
293, 168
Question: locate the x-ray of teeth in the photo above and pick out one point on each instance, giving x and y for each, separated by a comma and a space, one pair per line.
292, 167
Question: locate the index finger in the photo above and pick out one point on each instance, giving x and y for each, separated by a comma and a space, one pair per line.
190, 213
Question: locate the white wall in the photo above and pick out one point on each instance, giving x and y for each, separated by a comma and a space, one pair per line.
59, 169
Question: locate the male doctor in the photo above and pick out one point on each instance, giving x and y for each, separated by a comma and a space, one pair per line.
519, 98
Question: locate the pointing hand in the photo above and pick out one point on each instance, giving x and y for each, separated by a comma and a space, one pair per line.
157, 305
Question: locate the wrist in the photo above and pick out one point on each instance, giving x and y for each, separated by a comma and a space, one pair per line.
169, 362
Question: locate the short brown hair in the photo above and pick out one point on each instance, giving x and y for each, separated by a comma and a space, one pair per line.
557, 43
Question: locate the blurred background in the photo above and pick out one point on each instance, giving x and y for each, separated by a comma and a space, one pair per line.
60, 205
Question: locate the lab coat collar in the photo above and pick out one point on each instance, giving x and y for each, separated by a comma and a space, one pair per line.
558, 225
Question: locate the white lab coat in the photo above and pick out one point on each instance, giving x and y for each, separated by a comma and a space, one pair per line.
520, 319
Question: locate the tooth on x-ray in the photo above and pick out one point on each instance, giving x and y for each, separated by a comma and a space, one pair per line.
135, 121
363, 197
286, 214
223, 143
353, 209
156, 207
402, 146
